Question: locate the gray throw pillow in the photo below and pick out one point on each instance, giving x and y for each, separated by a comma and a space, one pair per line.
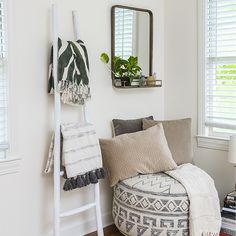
128, 126
178, 136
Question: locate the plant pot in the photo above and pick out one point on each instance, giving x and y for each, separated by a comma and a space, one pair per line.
125, 81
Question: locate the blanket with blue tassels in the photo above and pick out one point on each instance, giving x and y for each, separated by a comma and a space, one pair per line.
81, 158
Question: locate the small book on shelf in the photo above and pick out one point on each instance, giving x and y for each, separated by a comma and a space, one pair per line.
228, 215
230, 200
224, 234
229, 210
232, 195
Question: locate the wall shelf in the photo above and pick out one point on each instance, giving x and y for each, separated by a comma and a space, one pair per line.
158, 85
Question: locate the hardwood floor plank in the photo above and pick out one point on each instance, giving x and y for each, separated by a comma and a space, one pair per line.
110, 230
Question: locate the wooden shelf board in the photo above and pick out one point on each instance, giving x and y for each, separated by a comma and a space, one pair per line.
158, 85
136, 86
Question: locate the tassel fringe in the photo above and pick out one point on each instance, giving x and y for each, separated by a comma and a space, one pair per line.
80, 181
72, 93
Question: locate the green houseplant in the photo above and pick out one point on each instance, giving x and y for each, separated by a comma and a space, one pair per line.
126, 70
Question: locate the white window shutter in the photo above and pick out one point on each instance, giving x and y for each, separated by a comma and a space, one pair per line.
3, 83
124, 32
220, 67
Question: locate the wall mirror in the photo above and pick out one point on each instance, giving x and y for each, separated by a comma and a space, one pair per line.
132, 35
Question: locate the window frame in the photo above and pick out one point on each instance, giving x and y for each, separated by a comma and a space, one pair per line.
11, 164
6, 147
203, 138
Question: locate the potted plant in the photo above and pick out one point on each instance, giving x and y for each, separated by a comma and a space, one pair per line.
125, 70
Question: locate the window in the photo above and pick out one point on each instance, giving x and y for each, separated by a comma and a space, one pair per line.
218, 90
11, 164
124, 32
3, 83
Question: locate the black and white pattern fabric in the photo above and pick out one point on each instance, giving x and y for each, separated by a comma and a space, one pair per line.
81, 158
81, 151
73, 72
151, 205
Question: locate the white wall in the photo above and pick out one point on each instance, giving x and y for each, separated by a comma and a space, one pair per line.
181, 85
26, 198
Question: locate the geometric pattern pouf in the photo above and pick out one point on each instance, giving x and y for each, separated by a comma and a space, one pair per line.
151, 205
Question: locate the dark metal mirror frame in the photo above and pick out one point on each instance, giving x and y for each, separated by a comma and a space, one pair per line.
113, 34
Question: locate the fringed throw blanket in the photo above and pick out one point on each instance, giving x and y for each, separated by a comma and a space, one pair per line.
73, 72
81, 156
204, 207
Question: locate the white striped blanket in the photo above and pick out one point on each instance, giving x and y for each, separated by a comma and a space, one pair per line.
81, 155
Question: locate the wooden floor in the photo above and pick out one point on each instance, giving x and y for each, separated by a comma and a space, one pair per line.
108, 231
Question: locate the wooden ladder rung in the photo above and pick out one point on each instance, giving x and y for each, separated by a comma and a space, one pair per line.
78, 210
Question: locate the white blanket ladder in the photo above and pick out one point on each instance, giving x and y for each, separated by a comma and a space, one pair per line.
57, 110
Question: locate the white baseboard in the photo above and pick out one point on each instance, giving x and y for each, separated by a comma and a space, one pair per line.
83, 228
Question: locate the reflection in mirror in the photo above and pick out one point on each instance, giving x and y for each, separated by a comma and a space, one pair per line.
132, 36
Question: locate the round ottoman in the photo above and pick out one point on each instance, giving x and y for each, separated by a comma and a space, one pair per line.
153, 204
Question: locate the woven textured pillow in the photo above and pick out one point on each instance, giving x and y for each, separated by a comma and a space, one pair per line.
142, 152
128, 126
178, 136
